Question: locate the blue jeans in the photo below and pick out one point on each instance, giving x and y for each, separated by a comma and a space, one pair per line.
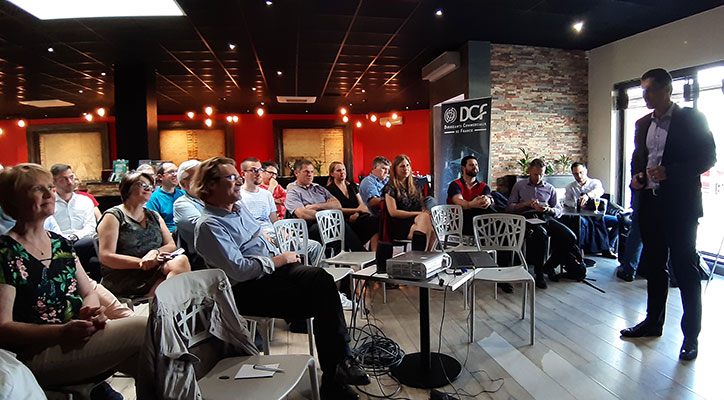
632, 252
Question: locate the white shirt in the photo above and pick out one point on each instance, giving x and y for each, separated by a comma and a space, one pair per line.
593, 188
656, 141
75, 217
260, 204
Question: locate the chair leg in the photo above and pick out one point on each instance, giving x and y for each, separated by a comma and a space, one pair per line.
495, 290
313, 379
310, 329
271, 330
532, 313
525, 295
265, 327
465, 296
252, 328
384, 293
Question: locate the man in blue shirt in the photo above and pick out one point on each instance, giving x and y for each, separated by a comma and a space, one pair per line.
162, 199
370, 189
269, 284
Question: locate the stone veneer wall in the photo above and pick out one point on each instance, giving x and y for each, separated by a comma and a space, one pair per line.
540, 103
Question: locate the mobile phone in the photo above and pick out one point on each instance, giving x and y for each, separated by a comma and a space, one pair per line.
176, 252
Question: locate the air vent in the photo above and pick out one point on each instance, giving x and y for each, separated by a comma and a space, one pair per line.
46, 103
296, 99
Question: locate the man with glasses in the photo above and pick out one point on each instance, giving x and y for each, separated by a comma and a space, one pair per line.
162, 199
270, 171
266, 283
673, 147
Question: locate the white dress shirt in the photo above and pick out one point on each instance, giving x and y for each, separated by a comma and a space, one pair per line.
75, 217
593, 188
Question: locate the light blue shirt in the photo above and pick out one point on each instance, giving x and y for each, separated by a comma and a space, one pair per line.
656, 141
544, 192
162, 202
371, 186
186, 211
233, 242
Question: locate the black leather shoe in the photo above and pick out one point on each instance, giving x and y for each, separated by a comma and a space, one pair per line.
350, 372
624, 275
609, 254
506, 287
642, 329
688, 352
336, 391
540, 282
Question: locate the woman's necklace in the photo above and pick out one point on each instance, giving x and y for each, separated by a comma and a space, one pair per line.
26, 243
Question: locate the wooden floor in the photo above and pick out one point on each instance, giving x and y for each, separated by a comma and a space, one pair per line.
578, 352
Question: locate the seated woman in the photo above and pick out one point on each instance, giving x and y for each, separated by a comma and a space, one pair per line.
355, 211
404, 204
134, 244
49, 313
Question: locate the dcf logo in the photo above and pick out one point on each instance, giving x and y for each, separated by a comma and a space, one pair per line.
450, 115
472, 113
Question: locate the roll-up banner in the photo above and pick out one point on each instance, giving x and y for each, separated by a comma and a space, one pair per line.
464, 130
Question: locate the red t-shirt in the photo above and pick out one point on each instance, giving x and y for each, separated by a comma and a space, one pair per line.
459, 187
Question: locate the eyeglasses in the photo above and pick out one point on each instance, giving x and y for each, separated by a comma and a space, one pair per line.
270, 172
254, 170
233, 177
144, 185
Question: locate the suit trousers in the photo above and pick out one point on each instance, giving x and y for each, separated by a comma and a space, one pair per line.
562, 239
667, 236
297, 292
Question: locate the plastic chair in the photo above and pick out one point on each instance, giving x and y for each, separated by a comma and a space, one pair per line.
447, 219
193, 320
506, 232
331, 229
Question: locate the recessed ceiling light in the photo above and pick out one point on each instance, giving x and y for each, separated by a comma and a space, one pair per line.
363, 90
345, 119
373, 118
208, 122
208, 110
279, 73
359, 124
438, 12
80, 91
269, 2
578, 26
103, 74
21, 123
232, 46
260, 111
262, 103
190, 114
99, 8
101, 111
50, 49
253, 89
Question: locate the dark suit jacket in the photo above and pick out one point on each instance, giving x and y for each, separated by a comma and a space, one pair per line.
689, 152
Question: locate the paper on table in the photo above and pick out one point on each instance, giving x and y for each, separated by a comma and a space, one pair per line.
535, 221
248, 371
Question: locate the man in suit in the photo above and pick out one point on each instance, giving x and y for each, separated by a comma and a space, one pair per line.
673, 147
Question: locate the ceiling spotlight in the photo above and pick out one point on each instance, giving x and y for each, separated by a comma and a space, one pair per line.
363, 91
191, 114
260, 111
208, 122
208, 110
279, 73
235, 118
388, 124
359, 124
269, 2
262, 103
101, 111
229, 119
80, 91
103, 74
345, 119
373, 118
343, 111
253, 89
89, 117
1, 131
50, 49
232, 46
21, 123
438, 12
578, 26
394, 115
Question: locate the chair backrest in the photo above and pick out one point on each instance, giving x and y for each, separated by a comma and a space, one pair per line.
292, 235
331, 226
447, 220
501, 232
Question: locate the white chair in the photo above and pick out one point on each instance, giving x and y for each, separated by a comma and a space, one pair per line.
447, 219
193, 319
506, 232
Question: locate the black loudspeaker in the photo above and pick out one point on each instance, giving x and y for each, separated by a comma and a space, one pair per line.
383, 253
419, 241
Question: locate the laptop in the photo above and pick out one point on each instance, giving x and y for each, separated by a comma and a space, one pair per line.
467, 259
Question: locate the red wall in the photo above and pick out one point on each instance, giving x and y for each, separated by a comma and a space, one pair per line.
254, 137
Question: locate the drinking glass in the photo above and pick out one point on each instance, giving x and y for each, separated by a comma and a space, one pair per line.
596, 203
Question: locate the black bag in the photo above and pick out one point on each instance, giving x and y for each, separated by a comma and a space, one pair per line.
573, 265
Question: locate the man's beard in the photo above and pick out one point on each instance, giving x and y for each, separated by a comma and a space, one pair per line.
471, 174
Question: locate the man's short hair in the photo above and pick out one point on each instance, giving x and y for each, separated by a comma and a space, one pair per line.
577, 164
130, 179
299, 164
465, 160
58, 169
379, 160
208, 173
661, 77
537, 163
267, 164
185, 166
251, 159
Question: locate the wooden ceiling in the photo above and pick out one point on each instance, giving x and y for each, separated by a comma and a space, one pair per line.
366, 53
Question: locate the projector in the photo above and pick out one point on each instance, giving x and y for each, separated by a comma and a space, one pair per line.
415, 265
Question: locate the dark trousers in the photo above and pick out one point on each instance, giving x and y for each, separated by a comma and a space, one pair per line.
85, 249
562, 239
351, 241
297, 292
468, 216
667, 236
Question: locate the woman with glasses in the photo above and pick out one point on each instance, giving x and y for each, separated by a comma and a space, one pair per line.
134, 244
50, 314
270, 171
355, 211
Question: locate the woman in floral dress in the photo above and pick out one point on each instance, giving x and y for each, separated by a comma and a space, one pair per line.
49, 313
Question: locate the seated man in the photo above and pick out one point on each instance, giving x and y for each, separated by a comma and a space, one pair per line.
470, 194
162, 199
75, 215
186, 211
96, 210
305, 198
536, 198
227, 237
597, 235
269, 173
370, 189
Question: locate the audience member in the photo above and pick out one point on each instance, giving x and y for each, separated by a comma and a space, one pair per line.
305, 198
76, 218
76, 189
162, 199
355, 211
259, 202
230, 239
134, 244
408, 211
269, 182
535, 197
49, 313
370, 188
472, 195
673, 147
597, 235
186, 210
